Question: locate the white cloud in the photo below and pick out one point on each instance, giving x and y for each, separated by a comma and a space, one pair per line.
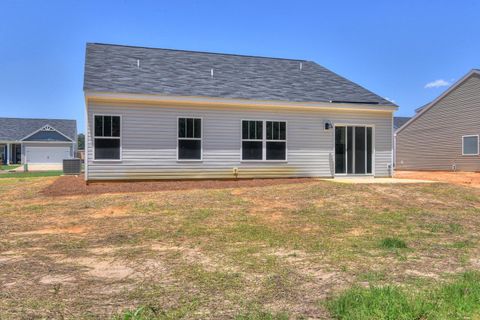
391, 100
437, 84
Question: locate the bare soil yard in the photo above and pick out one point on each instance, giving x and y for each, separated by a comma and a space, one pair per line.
462, 178
75, 185
243, 250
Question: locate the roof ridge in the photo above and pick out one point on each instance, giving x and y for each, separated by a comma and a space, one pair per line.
46, 119
194, 51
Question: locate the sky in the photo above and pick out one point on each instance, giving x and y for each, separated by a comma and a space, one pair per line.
406, 51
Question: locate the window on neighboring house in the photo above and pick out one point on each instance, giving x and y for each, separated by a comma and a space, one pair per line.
470, 145
255, 140
189, 139
107, 137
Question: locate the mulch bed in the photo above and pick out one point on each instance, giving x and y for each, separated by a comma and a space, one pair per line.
75, 185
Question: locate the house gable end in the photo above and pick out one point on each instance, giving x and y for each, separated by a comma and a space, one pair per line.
47, 133
422, 110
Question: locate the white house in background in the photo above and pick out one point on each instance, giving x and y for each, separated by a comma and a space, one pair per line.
37, 141
174, 114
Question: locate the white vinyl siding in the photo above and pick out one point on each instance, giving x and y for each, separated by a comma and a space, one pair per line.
149, 142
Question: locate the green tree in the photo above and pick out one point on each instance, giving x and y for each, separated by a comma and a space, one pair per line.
81, 141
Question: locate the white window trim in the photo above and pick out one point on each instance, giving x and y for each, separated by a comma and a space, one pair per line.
264, 141
346, 164
95, 137
463, 145
200, 139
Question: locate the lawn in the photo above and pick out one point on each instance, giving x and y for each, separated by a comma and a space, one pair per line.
9, 167
312, 249
31, 174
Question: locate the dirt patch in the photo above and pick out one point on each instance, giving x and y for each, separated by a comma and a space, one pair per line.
111, 212
9, 256
102, 268
461, 178
73, 230
54, 279
418, 273
75, 185
190, 255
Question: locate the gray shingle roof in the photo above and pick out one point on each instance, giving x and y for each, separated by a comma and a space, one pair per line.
126, 69
422, 107
15, 129
399, 121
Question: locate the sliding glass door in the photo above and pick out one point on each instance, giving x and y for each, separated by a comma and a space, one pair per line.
353, 149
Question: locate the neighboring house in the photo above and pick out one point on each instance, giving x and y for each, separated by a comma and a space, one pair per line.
397, 123
173, 114
36, 141
444, 134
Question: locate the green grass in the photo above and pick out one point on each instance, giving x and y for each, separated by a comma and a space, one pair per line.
459, 299
9, 167
262, 315
154, 313
393, 243
31, 174
151, 313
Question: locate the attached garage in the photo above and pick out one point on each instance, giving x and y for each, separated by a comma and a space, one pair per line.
47, 154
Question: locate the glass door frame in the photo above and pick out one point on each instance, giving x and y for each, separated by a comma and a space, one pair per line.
346, 125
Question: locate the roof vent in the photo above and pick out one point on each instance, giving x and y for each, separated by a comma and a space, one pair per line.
301, 66
211, 73
138, 63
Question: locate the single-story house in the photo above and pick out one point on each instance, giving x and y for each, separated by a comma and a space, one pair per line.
444, 134
174, 114
37, 141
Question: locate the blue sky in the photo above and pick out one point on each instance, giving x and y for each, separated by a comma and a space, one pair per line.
408, 51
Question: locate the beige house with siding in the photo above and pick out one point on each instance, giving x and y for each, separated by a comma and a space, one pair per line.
173, 114
444, 134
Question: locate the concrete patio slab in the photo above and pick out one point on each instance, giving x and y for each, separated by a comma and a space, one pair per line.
372, 180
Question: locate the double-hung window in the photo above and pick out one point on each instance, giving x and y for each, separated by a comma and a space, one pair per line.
276, 142
189, 139
264, 140
252, 140
470, 145
107, 137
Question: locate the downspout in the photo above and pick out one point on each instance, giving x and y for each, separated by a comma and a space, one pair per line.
85, 148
